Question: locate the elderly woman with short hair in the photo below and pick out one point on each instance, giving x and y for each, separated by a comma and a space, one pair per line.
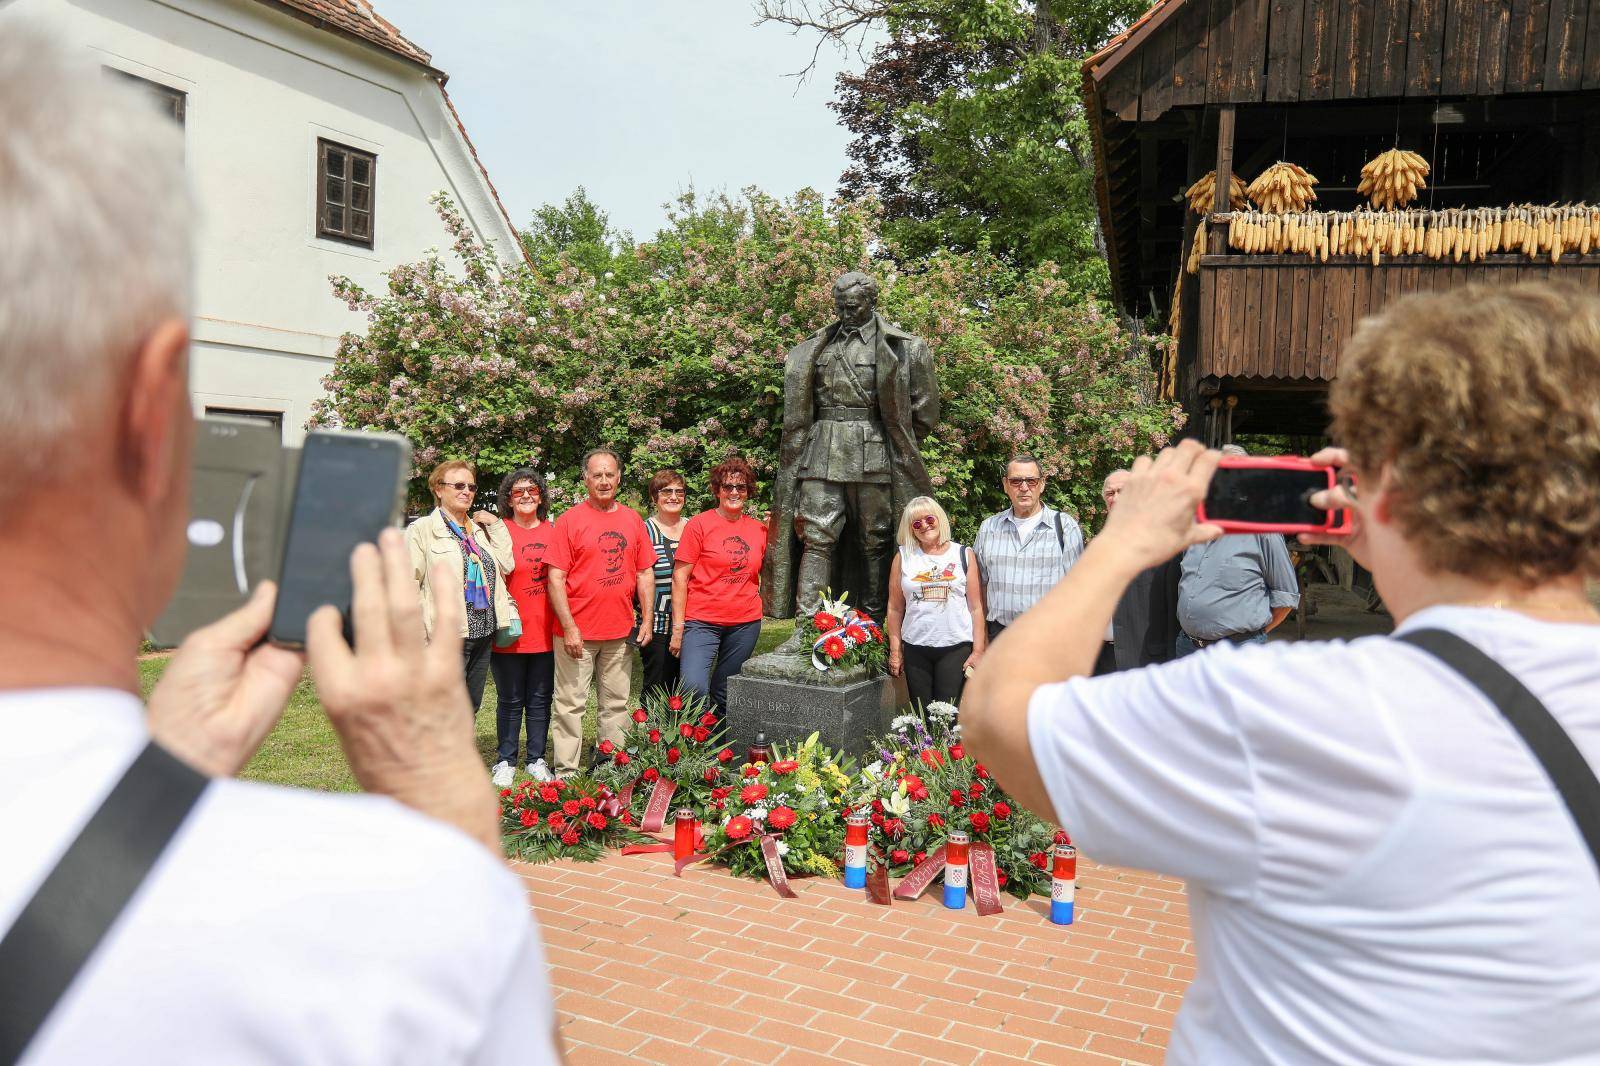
716, 585
935, 619
1390, 844
479, 543
524, 670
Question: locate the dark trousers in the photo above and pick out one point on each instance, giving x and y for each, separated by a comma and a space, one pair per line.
523, 682
994, 629
475, 655
729, 646
661, 667
935, 674
1106, 661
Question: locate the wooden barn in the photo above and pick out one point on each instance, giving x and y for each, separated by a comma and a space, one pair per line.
1450, 142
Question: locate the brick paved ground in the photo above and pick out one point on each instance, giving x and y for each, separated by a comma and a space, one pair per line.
713, 969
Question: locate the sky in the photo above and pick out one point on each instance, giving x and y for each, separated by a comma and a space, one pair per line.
635, 100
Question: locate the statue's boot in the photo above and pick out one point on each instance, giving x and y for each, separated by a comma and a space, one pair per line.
876, 571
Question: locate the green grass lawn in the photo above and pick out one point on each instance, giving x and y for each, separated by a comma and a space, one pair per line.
304, 751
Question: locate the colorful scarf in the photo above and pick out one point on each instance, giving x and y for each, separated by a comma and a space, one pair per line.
477, 587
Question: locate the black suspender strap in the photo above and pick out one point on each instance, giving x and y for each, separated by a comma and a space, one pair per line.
82, 897
1563, 762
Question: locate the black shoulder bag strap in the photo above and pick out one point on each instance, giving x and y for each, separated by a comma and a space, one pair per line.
82, 897
1563, 762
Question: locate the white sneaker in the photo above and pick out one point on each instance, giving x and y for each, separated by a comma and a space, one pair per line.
540, 771
501, 774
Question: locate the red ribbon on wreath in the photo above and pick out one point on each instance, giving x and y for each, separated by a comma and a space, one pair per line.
985, 883
775, 875
655, 810
917, 881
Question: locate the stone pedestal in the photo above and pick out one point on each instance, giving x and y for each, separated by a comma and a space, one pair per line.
782, 695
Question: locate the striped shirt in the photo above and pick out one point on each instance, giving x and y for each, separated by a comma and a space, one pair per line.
1017, 572
665, 548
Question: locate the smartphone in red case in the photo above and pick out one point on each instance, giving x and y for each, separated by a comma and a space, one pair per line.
1271, 494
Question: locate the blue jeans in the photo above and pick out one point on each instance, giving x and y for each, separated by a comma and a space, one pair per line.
729, 646
524, 682
1186, 646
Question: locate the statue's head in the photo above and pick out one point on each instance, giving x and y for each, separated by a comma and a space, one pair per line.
855, 295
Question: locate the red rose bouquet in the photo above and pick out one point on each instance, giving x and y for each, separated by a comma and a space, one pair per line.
792, 800
924, 784
672, 738
577, 819
840, 637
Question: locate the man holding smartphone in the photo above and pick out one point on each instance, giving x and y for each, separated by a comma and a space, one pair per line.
257, 923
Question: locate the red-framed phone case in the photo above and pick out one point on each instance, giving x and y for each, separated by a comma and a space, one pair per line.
1339, 521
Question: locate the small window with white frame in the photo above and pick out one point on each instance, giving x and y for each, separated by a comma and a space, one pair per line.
346, 182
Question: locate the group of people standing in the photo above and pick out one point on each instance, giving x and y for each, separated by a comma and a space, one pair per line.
554, 607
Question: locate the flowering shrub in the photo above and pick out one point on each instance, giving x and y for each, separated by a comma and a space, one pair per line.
924, 784
577, 819
673, 736
839, 636
673, 353
793, 798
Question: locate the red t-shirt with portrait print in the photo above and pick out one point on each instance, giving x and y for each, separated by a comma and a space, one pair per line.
725, 580
526, 584
601, 552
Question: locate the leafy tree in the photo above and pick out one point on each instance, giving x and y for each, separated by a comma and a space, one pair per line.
968, 123
674, 354
578, 231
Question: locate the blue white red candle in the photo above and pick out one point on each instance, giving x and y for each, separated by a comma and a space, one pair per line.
955, 871
1063, 883
855, 851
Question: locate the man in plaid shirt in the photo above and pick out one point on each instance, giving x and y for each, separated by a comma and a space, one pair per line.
1024, 550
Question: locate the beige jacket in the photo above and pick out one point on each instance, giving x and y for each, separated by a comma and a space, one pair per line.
430, 542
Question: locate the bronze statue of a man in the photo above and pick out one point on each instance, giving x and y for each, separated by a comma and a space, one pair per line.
858, 396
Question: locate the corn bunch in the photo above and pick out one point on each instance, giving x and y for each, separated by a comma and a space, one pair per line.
1198, 248
1202, 194
1282, 188
1456, 234
1394, 178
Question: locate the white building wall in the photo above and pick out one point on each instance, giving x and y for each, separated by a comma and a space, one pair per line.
262, 88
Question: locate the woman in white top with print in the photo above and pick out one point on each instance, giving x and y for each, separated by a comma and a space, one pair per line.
935, 623
1379, 868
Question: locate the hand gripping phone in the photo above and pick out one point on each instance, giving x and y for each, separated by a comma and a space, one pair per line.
1271, 495
350, 487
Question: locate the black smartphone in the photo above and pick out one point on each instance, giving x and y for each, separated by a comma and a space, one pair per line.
351, 486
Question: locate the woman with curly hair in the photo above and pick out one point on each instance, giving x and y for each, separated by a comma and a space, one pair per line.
1390, 844
524, 672
716, 586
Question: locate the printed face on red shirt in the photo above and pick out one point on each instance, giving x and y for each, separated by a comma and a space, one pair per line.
613, 549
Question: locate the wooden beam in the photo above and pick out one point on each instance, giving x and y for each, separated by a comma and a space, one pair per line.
1226, 117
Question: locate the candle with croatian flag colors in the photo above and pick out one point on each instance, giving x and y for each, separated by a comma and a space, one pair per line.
1063, 884
683, 834
855, 851
955, 871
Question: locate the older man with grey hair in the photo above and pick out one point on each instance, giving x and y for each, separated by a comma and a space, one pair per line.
1237, 588
152, 908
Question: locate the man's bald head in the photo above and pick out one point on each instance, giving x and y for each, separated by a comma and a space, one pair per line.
1113, 485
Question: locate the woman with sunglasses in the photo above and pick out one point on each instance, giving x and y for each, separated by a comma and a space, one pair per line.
716, 586
479, 547
668, 495
935, 621
524, 671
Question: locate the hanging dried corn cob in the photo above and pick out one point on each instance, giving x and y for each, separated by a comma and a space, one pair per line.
1282, 188
1394, 178
1202, 194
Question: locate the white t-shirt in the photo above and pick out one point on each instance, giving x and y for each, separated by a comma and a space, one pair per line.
281, 926
935, 591
1379, 870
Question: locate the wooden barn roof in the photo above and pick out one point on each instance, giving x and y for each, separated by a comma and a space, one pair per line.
1184, 54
